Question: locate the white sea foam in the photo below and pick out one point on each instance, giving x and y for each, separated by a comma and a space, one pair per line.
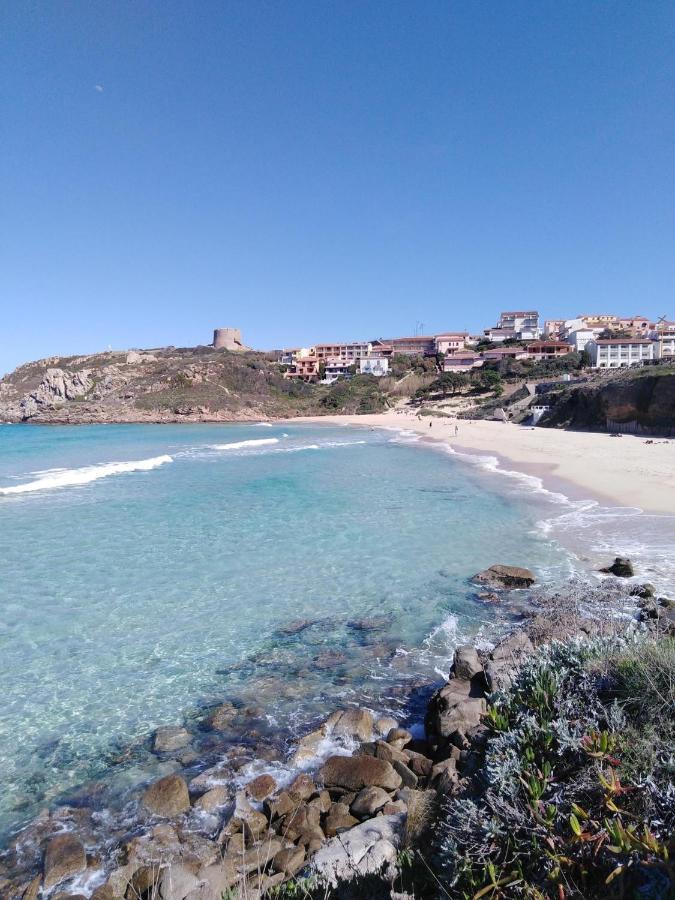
60, 478
262, 425
243, 445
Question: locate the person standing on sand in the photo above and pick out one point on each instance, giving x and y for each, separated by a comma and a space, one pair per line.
456, 430
430, 424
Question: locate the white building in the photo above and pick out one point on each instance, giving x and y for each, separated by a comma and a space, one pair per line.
374, 365
619, 352
664, 346
451, 341
580, 338
334, 368
524, 323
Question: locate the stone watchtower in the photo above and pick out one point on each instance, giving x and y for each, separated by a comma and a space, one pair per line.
227, 339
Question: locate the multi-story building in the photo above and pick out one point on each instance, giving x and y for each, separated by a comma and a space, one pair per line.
579, 338
617, 352
306, 368
499, 335
334, 368
664, 346
451, 341
374, 365
352, 351
524, 323
500, 353
552, 328
420, 345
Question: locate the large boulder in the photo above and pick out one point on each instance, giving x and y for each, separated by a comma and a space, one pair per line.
366, 849
64, 857
356, 772
510, 577
454, 710
167, 797
466, 663
622, 567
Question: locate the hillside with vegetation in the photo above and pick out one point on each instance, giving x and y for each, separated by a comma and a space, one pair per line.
172, 385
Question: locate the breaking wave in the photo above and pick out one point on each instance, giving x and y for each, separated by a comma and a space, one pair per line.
59, 478
242, 445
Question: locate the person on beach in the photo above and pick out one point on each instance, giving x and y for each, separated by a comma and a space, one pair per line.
456, 430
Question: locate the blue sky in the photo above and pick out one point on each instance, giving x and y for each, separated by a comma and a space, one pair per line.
329, 170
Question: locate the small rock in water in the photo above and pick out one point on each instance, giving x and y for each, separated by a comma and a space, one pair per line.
466, 663
622, 567
169, 738
372, 623
399, 738
64, 857
303, 786
167, 797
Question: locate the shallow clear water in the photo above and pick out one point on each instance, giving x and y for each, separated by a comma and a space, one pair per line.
148, 570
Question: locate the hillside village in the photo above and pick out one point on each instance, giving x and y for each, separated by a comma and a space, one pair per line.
609, 342
578, 373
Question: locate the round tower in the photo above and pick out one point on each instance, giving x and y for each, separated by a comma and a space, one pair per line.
227, 339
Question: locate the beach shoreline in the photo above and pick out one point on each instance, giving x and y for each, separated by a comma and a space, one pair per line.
621, 472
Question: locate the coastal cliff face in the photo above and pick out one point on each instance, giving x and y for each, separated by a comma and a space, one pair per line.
645, 399
170, 385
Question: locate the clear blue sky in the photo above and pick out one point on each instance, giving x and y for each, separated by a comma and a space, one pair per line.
317, 170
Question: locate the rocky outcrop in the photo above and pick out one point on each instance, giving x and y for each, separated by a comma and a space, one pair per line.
510, 577
56, 388
646, 401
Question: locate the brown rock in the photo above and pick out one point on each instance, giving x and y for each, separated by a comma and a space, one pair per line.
389, 753
289, 861
213, 799
169, 738
352, 723
339, 819
311, 839
322, 801
408, 777
221, 717
281, 805
368, 801
303, 786
394, 808
506, 577
261, 787
420, 765
356, 772
64, 857
466, 664
167, 797
384, 725
299, 820
32, 889
399, 738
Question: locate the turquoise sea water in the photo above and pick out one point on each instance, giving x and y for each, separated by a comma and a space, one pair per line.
148, 570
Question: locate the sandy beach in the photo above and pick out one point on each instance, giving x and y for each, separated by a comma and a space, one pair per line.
621, 471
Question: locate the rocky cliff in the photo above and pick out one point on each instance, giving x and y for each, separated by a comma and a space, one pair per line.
170, 385
644, 397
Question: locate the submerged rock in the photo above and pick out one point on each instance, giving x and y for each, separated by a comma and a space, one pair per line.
506, 577
352, 723
169, 738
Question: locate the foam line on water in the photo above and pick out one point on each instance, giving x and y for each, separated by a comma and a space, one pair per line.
84, 475
243, 445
